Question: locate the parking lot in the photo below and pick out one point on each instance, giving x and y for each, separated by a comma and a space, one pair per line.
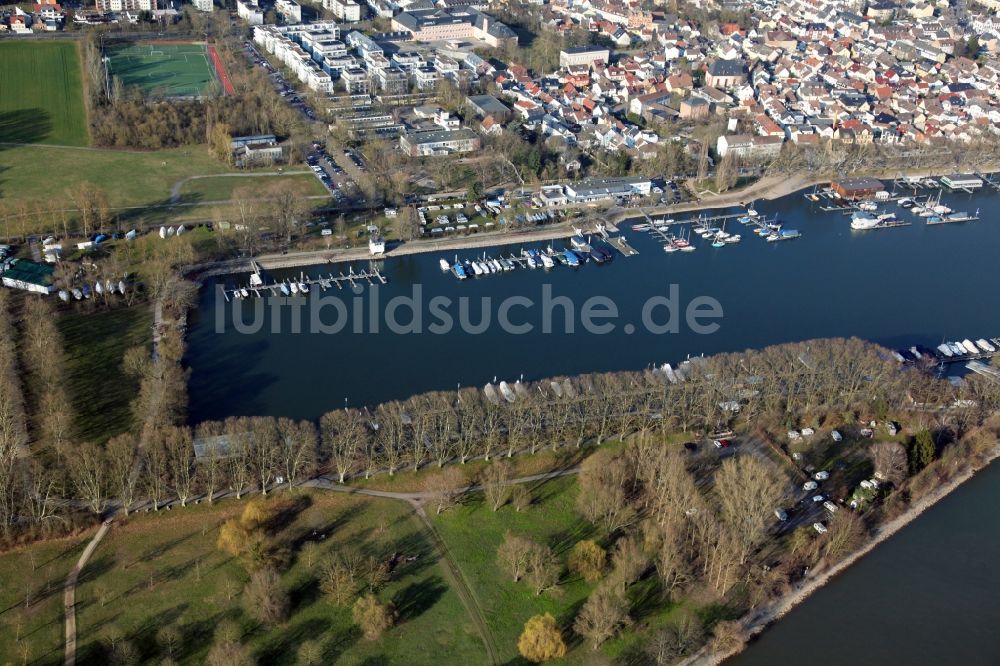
284, 89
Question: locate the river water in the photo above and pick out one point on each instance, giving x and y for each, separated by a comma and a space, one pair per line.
898, 287
927, 596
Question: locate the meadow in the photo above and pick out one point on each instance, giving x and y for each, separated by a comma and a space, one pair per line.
153, 571
131, 179
31, 602
41, 95
99, 390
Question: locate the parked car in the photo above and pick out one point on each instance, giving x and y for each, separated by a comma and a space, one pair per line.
830, 507
822, 475
794, 435
819, 527
808, 432
722, 443
781, 515
810, 485
837, 437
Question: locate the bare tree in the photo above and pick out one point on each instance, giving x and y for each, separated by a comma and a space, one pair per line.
180, 462
845, 534
890, 461
496, 484
123, 469
603, 497
748, 490
88, 471
342, 433
238, 456
445, 488
544, 568
373, 618
266, 598
514, 554
603, 614
297, 449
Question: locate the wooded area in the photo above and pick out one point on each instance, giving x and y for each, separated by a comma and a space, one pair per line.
816, 382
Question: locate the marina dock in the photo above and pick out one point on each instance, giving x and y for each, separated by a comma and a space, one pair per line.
304, 284
981, 368
620, 244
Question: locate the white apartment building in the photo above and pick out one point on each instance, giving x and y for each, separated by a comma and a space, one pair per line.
250, 11
289, 10
348, 11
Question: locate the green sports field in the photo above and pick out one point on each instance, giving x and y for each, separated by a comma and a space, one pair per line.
41, 94
164, 70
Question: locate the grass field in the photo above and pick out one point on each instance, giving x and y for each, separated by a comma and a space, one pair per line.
473, 533
165, 569
164, 70
41, 94
37, 627
129, 178
221, 188
99, 390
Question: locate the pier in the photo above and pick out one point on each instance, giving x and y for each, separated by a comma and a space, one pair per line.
302, 285
981, 368
622, 246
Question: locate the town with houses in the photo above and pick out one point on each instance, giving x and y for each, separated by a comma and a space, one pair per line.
791, 71
170, 169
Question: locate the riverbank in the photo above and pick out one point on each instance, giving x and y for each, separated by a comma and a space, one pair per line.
767, 188
759, 620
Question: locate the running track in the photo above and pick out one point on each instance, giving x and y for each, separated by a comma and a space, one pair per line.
227, 85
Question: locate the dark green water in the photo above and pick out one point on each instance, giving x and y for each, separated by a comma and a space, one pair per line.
925, 597
898, 287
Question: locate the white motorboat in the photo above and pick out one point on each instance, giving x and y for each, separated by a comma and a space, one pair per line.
547, 261
970, 346
945, 350
985, 346
507, 392
861, 220
445, 266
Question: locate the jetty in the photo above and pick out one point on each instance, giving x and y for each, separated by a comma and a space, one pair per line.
303, 284
981, 368
620, 244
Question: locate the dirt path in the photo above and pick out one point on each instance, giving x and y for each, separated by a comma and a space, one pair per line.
69, 592
453, 572
461, 586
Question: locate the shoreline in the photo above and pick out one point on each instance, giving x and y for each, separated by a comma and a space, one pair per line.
758, 621
768, 188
